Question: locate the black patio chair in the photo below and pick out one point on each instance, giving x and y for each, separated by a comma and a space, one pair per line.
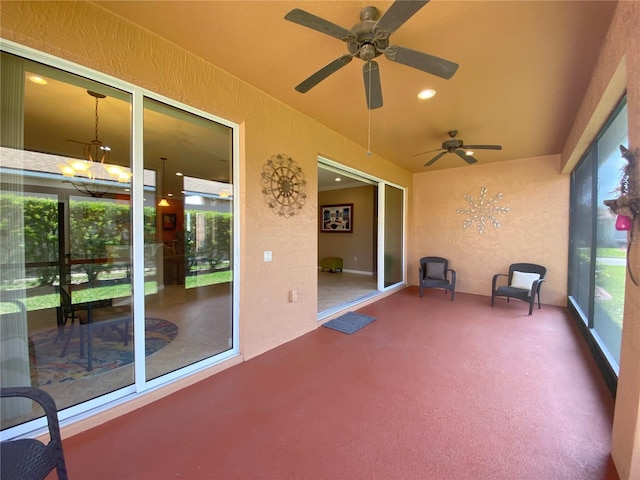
435, 273
524, 282
28, 458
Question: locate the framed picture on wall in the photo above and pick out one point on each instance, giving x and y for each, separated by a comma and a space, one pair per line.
336, 218
168, 221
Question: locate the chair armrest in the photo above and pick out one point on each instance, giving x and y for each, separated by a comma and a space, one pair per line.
453, 275
495, 279
535, 286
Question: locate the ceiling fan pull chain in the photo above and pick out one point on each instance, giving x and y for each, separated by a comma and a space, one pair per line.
369, 113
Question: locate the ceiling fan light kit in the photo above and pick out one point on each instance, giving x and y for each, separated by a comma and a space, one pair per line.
367, 40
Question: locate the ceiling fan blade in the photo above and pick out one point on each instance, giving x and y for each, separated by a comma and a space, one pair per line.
321, 25
372, 86
434, 159
428, 151
482, 147
397, 14
422, 61
323, 73
467, 158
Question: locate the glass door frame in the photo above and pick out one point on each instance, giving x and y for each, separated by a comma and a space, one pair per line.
380, 183
141, 385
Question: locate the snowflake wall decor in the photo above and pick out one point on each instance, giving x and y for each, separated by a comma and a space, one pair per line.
482, 212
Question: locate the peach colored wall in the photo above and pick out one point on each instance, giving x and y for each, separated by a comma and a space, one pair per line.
535, 229
360, 243
85, 34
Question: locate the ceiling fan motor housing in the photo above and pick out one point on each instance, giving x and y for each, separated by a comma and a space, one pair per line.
452, 144
368, 44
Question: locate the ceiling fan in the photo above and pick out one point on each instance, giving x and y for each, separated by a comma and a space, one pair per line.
457, 146
369, 39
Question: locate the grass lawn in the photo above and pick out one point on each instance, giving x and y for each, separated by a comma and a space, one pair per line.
611, 252
51, 300
611, 279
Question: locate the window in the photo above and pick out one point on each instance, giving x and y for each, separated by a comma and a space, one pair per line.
598, 250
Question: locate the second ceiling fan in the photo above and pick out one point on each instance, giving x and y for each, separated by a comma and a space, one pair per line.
457, 146
369, 39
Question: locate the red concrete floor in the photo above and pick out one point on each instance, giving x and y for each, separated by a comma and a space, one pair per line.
432, 389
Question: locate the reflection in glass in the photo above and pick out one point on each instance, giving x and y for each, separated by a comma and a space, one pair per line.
65, 258
192, 308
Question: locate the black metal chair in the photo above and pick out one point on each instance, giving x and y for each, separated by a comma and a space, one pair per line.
435, 273
69, 311
524, 282
28, 458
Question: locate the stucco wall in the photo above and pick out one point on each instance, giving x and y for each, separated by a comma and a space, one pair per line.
356, 248
534, 230
85, 34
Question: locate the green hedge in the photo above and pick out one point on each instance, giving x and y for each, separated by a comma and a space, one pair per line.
94, 225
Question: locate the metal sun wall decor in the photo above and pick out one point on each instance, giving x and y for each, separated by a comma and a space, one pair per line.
284, 186
483, 212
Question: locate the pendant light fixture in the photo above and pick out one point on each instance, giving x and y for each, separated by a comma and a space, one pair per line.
163, 201
95, 176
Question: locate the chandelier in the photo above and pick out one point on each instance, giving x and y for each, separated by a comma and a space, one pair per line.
94, 175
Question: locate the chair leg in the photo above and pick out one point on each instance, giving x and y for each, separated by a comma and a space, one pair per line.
66, 343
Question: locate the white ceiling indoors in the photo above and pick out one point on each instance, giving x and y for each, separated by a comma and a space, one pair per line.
523, 68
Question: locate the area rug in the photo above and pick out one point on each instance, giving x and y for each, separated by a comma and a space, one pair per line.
109, 352
349, 323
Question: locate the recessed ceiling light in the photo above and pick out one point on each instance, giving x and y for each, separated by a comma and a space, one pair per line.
179, 174
338, 179
427, 93
37, 80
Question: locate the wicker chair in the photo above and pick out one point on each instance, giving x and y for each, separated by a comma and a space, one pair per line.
435, 273
28, 458
524, 283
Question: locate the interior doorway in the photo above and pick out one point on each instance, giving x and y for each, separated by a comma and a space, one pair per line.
354, 243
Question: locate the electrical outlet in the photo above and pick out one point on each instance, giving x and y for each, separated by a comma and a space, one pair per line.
268, 256
355, 259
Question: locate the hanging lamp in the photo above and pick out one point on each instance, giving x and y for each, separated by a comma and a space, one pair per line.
163, 201
95, 168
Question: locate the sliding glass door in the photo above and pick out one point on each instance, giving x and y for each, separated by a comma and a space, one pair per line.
83, 316
190, 246
372, 251
393, 235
